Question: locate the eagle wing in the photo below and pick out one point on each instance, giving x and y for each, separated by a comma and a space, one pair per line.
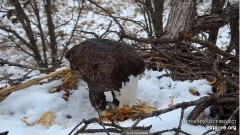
104, 64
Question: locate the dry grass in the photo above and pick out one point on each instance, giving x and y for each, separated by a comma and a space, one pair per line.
122, 114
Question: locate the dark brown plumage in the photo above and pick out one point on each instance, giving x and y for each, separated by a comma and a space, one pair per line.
104, 64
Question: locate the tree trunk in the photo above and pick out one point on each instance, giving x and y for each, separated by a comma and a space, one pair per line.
24, 20
180, 18
53, 42
44, 51
217, 6
234, 43
156, 15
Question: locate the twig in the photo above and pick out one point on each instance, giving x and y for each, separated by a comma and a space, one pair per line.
167, 56
139, 118
77, 127
2, 62
21, 79
209, 131
180, 131
107, 30
113, 127
5, 77
74, 28
180, 121
205, 99
116, 21
170, 130
93, 120
135, 123
112, 130
6, 91
88, 32
100, 123
234, 113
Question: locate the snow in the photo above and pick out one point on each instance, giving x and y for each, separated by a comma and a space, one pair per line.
32, 102
223, 37
153, 87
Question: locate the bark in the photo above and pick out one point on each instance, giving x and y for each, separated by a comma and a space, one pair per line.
146, 9
216, 20
51, 31
217, 6
156, 10
36, 11
234, 43
24, 20
180, 18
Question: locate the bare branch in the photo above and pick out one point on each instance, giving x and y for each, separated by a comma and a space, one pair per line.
216, 20
112, 127
17, 35
107, 30
3, 62
74, 28
116, 21
180, 121
88, 32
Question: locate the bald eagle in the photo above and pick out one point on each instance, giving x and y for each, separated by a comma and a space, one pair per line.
107, 65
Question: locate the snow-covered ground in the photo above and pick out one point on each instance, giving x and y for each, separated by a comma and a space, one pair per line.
32, 102
29, 104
